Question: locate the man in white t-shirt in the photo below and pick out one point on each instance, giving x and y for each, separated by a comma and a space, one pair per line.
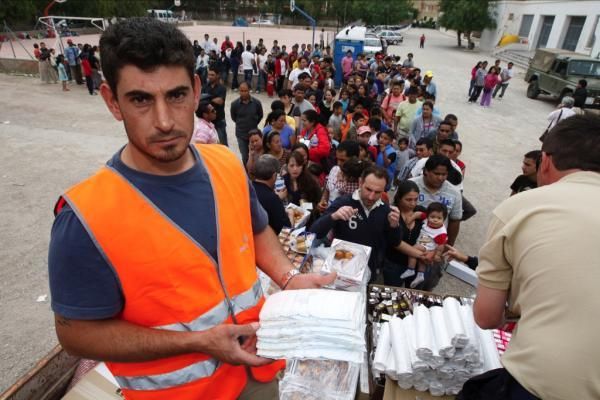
206, 45
248, 65
564, 111
262, 58
302, 67
505, 76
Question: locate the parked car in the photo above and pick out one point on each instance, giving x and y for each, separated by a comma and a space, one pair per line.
390, 37
556, 72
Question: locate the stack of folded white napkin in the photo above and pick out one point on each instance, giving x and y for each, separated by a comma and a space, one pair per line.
313, 324
436, 349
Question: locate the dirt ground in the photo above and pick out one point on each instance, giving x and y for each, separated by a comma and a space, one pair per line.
50, 140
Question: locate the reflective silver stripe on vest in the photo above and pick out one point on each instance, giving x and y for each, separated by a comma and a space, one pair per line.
218, 314
182, 376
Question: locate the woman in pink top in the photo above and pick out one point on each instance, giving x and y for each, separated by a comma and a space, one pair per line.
204, 129
392, 100
490, 82
347, 63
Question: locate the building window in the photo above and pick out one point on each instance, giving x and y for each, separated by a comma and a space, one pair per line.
592, 38
525, 25
573, 33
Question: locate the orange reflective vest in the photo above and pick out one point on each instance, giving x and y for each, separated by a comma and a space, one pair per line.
169, 281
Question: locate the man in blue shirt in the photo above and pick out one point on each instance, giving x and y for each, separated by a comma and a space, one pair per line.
72, 56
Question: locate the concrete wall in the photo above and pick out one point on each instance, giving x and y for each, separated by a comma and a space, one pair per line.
510, 16
11, 65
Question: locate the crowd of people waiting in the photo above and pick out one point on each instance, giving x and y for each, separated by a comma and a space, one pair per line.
369, 160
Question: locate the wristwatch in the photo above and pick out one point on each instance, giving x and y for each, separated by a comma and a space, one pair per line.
287, 277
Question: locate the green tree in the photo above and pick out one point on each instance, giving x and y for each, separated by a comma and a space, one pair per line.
466, 16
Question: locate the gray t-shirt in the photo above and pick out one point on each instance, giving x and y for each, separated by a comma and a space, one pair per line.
448, 195
299, 109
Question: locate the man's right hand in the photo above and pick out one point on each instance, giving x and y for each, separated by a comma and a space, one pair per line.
223, 343
322, 205
344, 213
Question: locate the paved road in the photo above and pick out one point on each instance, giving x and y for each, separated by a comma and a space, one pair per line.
51, 140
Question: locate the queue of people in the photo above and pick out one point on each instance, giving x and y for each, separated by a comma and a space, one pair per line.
383, 119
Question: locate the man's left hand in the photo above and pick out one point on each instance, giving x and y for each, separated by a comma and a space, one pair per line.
311, 281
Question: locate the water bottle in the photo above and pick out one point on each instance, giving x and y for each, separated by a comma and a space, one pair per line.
279, 183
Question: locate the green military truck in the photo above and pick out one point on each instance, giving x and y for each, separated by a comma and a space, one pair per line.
556, 72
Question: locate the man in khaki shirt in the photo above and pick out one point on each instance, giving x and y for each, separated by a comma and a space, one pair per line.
542, 255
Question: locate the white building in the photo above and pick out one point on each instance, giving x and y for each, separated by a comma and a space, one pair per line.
570, 25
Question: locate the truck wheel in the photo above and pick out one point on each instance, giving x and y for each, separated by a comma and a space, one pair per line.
533, 90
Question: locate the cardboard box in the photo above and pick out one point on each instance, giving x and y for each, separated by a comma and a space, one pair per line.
462, 272
98, 384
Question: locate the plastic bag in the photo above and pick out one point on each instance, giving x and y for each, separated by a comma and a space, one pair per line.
319, 380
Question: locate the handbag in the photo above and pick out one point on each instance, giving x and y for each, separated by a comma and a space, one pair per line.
549, 125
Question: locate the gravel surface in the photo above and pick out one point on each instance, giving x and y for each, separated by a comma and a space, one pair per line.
51, 140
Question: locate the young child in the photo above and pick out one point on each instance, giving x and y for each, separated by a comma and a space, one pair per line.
386, 156
336, 119
456, 154
63, 77
403, 153
433, 238
529, 167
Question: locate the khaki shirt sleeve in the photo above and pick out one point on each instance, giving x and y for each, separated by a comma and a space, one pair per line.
494, 271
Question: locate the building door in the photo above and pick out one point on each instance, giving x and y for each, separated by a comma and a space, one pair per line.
573, 33
547, 23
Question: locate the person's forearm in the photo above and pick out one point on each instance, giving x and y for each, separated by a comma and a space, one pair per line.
218, 101
409, 250
323, 225
453, 229
121, 341
270, 257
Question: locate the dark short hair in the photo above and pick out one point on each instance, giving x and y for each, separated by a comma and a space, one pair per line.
574, 143
303, 76
299, 87
285, 92
450, 117
337, 104
437, 207
428, 104
445, 122
458, 143
448, 142
536, 156
350, 147
437, 160
253, 132
265, 167
379, 172
375, 124
583, 82
358, 115
202, 109
274, 115
353, 168
388, 132
146, 43
426, 142
214, 68
277, 105
412, 91
403, 139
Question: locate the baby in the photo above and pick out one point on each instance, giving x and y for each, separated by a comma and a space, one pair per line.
432, 239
